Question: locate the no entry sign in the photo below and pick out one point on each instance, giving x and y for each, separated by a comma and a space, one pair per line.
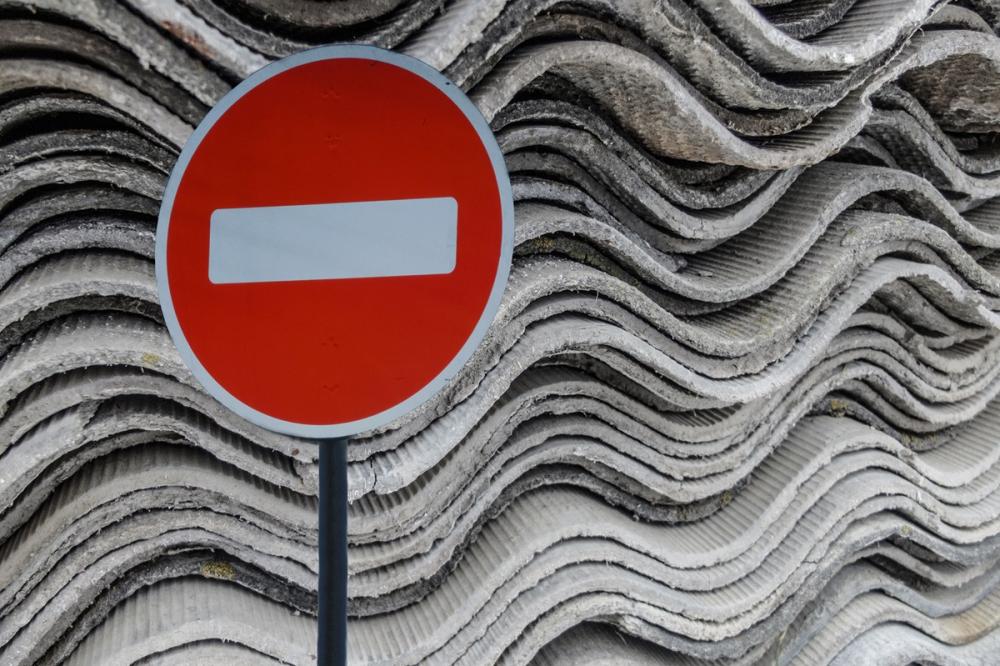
334, 241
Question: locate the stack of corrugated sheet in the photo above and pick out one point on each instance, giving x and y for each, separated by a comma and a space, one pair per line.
739, 405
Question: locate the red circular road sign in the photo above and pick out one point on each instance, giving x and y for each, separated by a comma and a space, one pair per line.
334, 240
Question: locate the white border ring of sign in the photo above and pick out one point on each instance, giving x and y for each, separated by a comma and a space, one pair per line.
469, 110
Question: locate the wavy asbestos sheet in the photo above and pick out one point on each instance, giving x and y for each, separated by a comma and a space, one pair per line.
740, 404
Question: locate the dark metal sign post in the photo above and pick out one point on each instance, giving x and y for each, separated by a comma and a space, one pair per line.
342, 183
332, 591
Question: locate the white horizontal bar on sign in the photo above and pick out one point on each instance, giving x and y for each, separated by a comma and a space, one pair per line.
364, 239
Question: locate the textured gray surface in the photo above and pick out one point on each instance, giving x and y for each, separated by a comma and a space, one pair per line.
740, 405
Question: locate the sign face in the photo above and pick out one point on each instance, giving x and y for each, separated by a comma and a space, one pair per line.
334, 241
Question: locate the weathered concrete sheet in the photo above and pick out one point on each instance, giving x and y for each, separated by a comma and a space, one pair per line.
740, 403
